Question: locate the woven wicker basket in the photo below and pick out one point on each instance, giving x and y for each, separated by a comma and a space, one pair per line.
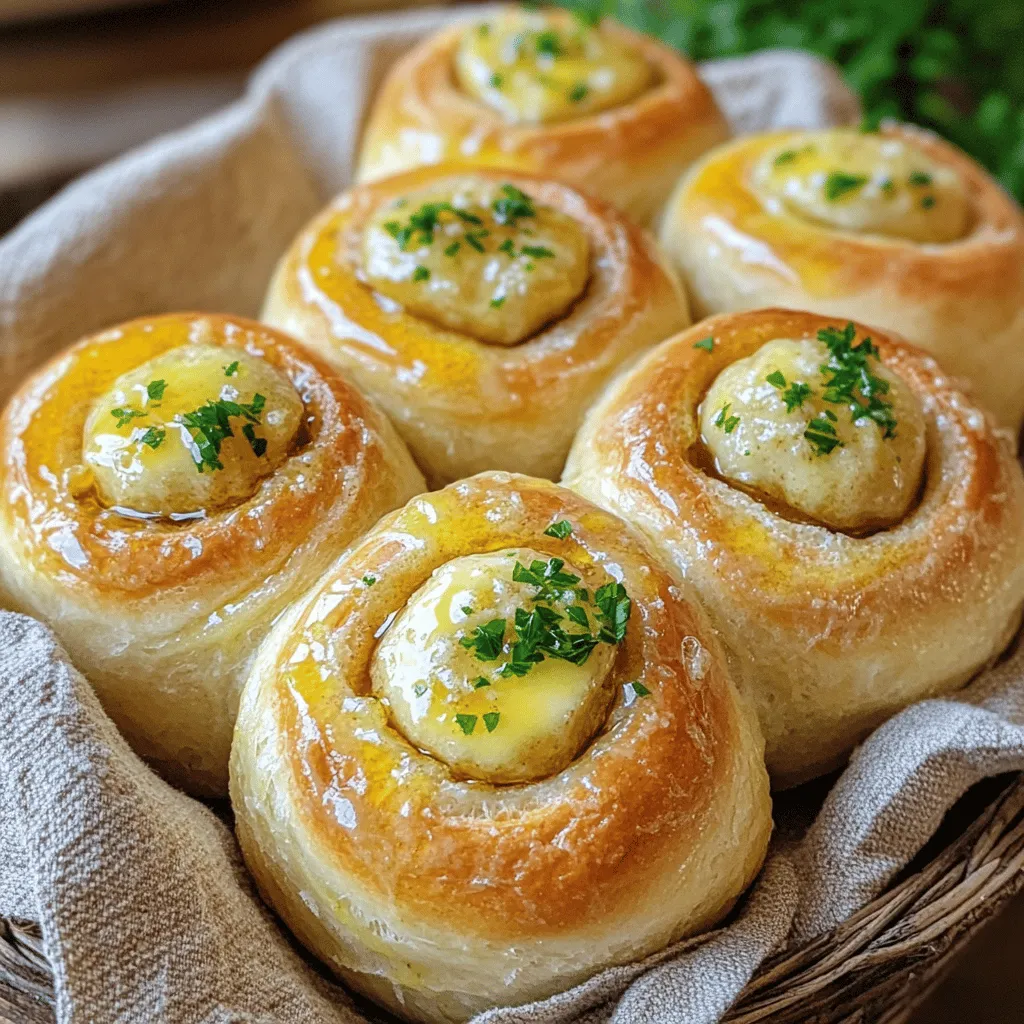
874, 969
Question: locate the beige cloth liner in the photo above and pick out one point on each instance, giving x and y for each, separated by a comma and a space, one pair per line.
147, 912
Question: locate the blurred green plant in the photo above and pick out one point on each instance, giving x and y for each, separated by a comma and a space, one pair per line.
956, 66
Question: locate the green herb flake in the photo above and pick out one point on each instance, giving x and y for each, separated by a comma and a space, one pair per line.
480, 683
559, 530
125, 416
486, 640
210, 426
638, 689
919, 178
705, 344
787, 156
497, 80
467, 723
850, 382
258, 444
548, 44
725, 421
491, 720
451, 250
419, 689
153, 438
512, 205
795, 395
928, 202
368, 581
888, 186
537, 252
578, 92
822, 436
614, 609
839, 183
776, 379
466, 610
508, 247
231, 369
155, 390
421, 273
498, 302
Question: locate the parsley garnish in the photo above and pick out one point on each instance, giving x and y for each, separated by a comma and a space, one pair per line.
776, 379
368, 581
538, 252
850, 380
578, 92
486, 640
491, 720
928, 202
919, 178
210, 426
785, 157
480, 683
452, 249
725, 421
231, 369
421, 273
153, 437
795, 395
125, 416
638, 688
419, 689
561, 529
155, 390
467, 723
498, 302
706, 344
838, 183
473, 239
424, 222
887, 186
822, 435
497, 80
512, 205
549, 44
614, 607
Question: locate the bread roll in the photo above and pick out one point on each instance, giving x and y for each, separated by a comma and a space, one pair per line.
851, 521
495, 751
897, 229
600, 107
483, 310
168, 487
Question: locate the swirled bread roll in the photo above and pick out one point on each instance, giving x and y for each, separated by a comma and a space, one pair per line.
895, 228
601, 107
495, 751
168, 487
851, 521
483, 310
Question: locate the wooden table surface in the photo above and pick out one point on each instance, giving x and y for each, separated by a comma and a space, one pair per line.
167, 63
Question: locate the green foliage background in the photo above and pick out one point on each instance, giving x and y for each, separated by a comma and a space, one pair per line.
956, 66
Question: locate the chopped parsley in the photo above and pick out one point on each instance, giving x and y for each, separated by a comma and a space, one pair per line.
776, 379
705, 344
451, 250
231, 369
508, 247
497, 303
578, 92
548, 44
725, 421
155, 390
537, 252
795, 395
919, 178
480, 683
928, 202
887, 185
210, 426
467, 723
638, 690
787, 156
368, 581
561, 529
419, 689
424, 222
839, 183
153, 438
512, 205
491, 720
125, 416
473, 239
486, 640
497, 80
822, 435
614, 608
850, 381
466, 610
421, 273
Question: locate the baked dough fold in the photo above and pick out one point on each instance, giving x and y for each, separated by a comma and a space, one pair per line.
900, 230
829, 632
439, 895
162, 609
630, 154
468, 402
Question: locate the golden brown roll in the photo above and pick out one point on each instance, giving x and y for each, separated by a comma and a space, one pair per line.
897, 229
853, 524
495, 751
168, 487
483, 310
600, 107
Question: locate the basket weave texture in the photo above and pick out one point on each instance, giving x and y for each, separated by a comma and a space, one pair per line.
873, 969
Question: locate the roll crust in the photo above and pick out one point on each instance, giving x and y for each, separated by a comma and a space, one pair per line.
828, 633
441, 897
962, 301
163, 616
464, 406
631, 155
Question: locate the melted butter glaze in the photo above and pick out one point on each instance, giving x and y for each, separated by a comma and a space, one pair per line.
541, 67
